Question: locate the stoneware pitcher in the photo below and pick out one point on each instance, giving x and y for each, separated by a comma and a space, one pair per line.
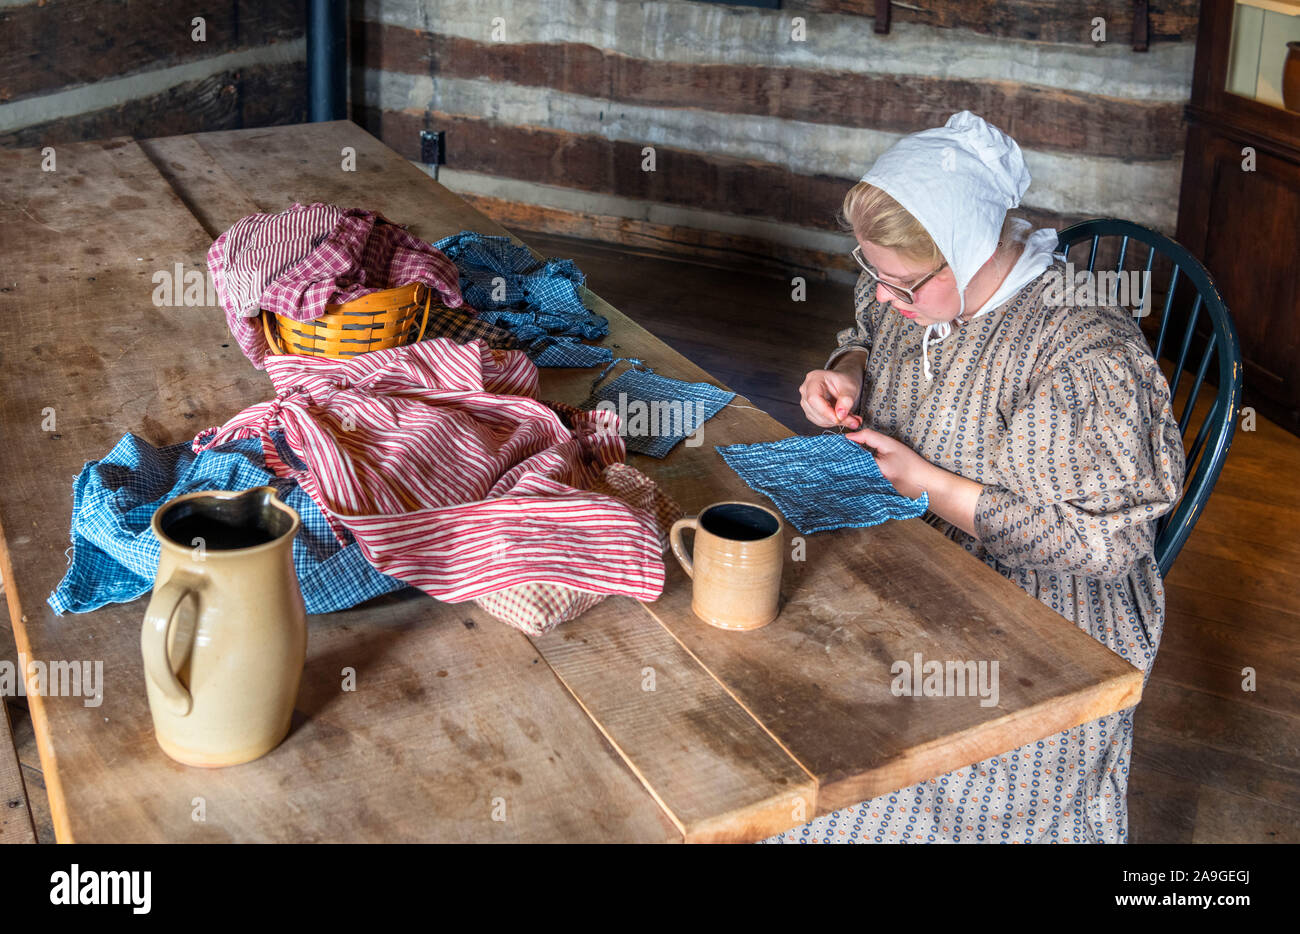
225, 635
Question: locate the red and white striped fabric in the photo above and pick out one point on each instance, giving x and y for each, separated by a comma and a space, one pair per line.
450, 474
298, 261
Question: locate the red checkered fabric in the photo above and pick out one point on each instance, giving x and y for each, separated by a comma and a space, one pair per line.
536, 609
641, 493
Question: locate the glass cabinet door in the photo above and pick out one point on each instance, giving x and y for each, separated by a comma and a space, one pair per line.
1264, 56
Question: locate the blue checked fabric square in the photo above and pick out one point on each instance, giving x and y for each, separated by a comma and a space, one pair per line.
532, 299
822, 482
655, 412
115, 553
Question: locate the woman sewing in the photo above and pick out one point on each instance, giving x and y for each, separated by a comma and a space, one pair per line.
1044, 437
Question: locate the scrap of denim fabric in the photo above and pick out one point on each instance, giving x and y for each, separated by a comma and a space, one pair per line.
655, 412
532, 298
822, 482
114, 550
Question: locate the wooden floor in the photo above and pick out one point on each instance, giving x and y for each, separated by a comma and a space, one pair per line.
1212, 763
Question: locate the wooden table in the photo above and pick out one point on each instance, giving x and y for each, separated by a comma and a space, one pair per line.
461, 728
15, 817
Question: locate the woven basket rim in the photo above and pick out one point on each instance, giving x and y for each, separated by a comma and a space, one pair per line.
399, 306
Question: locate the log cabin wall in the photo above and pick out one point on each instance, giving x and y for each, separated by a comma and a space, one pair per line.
759, 130
87, 69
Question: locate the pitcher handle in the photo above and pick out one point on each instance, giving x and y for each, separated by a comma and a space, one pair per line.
158, 620
679, 548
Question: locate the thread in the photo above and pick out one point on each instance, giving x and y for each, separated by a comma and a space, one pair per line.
636, 362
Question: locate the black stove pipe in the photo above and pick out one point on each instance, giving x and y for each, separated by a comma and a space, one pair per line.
327, 63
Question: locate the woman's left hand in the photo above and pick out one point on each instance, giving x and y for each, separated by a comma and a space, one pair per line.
909, 472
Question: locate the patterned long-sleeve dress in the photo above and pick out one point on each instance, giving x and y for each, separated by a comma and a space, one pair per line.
1064, 417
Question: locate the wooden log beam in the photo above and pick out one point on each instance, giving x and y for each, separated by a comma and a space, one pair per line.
60, 43
1041, 20
711, 247
265, 95
1038, 117
611, 167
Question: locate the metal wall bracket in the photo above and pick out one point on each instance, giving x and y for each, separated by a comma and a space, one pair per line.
433, 148
1141, 26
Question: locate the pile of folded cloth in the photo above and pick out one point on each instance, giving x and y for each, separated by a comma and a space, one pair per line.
450, 473
432, 465
435, 462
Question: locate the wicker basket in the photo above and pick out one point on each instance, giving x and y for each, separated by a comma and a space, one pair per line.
378, 321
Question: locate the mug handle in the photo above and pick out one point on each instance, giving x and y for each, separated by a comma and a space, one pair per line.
158, 618
679, 547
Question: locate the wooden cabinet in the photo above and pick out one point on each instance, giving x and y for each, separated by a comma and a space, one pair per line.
1239, 209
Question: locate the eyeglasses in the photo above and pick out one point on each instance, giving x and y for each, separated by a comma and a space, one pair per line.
905, 294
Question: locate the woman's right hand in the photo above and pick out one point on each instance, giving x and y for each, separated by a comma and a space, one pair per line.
827, 397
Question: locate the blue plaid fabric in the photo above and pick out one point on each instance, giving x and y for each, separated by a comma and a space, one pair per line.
566, 351
656, 412
822, 482
539, 299
115, 553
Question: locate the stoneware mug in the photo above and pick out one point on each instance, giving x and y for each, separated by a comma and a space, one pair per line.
225, 634
736, 570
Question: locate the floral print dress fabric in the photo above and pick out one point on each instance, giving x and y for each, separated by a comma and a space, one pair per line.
1064, 417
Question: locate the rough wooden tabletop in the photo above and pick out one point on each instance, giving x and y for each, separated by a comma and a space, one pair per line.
634, 722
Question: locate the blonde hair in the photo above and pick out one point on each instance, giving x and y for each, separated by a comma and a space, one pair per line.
877, 218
